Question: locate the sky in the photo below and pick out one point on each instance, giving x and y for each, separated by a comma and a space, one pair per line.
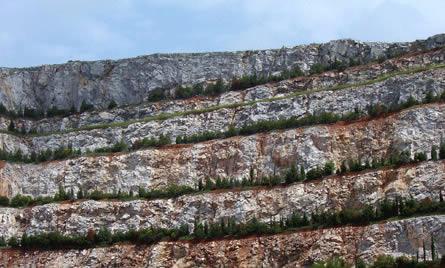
35, 32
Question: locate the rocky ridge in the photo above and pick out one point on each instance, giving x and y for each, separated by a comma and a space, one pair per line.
129, 81
137, 112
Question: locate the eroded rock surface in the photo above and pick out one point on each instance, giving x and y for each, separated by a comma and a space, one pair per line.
397, 238
324, 80
414, 130
128, 81
418, 181
392, 91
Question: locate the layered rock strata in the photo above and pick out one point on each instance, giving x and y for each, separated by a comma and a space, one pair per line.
294, 249
137, 112
415, 130
419, 73
129, 81
392, 91
417, 181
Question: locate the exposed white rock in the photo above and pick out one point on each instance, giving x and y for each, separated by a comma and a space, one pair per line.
396, 238
422, 181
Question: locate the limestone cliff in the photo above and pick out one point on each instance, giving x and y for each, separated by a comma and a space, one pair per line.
128, 81
405, 237
407, 77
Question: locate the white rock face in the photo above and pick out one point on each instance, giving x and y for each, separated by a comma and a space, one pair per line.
330, 79
397, 238
415, 130
129, 81
420, 181
392, 91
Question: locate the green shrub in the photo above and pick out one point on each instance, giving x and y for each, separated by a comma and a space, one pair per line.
216, 89
11, 126
84, 107
153, 142
2, 242
13, 242
112, 105
182, 92
317, 68
20, 201
384, 261
32, 113
103, 237
434, 155
315, 173
4, 201
291, 175
54, 111
329, 168
420, 156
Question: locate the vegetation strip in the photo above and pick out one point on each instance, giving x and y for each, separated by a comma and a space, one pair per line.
373, 111
165, 116
388, 261
229, 229
292, 175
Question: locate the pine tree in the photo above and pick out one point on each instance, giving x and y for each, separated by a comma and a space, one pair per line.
329, 168
11, 126
442, 150
200, 185
302, 173
434, 153
71, 194
433, 249
251, 175
291, 175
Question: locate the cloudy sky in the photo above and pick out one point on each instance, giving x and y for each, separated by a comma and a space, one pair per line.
37, 32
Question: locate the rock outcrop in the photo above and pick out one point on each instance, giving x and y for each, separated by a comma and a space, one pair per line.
418, 181
392, 75
129, 81
392, 91
414, 130
350, 76
397, 238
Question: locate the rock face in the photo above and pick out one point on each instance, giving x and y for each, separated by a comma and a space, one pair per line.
419, 182
415, 130
398, 238
128, 81
392, 91
330, 79
401, 72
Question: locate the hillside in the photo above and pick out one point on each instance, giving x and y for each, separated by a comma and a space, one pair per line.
273, 158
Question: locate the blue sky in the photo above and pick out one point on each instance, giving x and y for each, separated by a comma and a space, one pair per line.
35, 32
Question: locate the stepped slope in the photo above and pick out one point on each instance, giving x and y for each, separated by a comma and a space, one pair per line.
349, 76
415, 130
388, 151
404, 237
417, 181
